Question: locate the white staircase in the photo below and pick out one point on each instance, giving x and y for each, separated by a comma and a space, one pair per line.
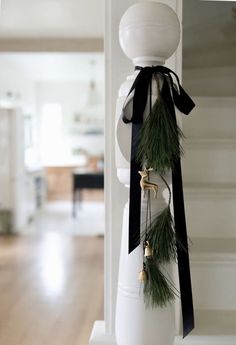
209, 169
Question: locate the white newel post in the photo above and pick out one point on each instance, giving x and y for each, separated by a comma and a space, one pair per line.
117, 67
149, 34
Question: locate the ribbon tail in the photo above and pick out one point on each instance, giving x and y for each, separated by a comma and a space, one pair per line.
182, 100
135, 191
183, 255
141, 86
180, 228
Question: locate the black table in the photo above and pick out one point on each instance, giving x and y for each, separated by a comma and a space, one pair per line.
85, 180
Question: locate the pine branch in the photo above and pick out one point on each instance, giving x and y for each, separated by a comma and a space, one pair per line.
157, 290
159, 145
162, 238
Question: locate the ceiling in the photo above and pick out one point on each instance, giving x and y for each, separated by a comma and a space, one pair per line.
52, 18
85, 18
57, 66
209, 31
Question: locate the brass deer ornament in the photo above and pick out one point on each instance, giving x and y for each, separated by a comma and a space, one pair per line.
147, 185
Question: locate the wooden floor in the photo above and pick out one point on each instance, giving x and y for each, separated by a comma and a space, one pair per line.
51, 289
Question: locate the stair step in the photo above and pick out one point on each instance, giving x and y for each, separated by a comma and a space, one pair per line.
213, 267
210, 164
210, 210
216, 327
220, 249
209, 143
196, 189
210, 154
212, 117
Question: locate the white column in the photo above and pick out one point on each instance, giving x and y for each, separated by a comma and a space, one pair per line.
117, 68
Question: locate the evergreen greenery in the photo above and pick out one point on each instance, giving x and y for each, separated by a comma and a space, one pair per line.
159, 145
159, 148
158, 291
161, 236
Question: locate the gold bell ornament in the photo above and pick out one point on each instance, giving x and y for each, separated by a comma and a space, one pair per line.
148, 250
142, 277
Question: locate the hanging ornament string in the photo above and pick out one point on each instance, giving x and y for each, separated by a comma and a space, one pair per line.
146, 245
172, 95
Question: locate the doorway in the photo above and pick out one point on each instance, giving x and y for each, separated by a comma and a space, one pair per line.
52, 224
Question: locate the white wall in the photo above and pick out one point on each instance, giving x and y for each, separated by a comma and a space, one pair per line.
18, 78
13, 80
73, 96
18, 90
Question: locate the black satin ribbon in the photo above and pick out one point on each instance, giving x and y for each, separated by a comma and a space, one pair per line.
174, 95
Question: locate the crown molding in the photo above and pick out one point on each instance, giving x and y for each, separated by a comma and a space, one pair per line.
51, 45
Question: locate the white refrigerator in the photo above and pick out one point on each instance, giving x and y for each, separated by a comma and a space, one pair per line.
12, 169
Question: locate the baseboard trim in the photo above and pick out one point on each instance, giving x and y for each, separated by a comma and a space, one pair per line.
206, 340
99, 335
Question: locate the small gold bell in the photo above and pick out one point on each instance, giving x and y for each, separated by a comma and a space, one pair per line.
148, 250
142, 277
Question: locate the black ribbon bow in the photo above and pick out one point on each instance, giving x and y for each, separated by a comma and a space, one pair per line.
173, 95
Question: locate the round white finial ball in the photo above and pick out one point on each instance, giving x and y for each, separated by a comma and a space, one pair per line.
149, 31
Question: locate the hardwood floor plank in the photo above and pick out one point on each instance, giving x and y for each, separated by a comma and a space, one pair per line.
51, 289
